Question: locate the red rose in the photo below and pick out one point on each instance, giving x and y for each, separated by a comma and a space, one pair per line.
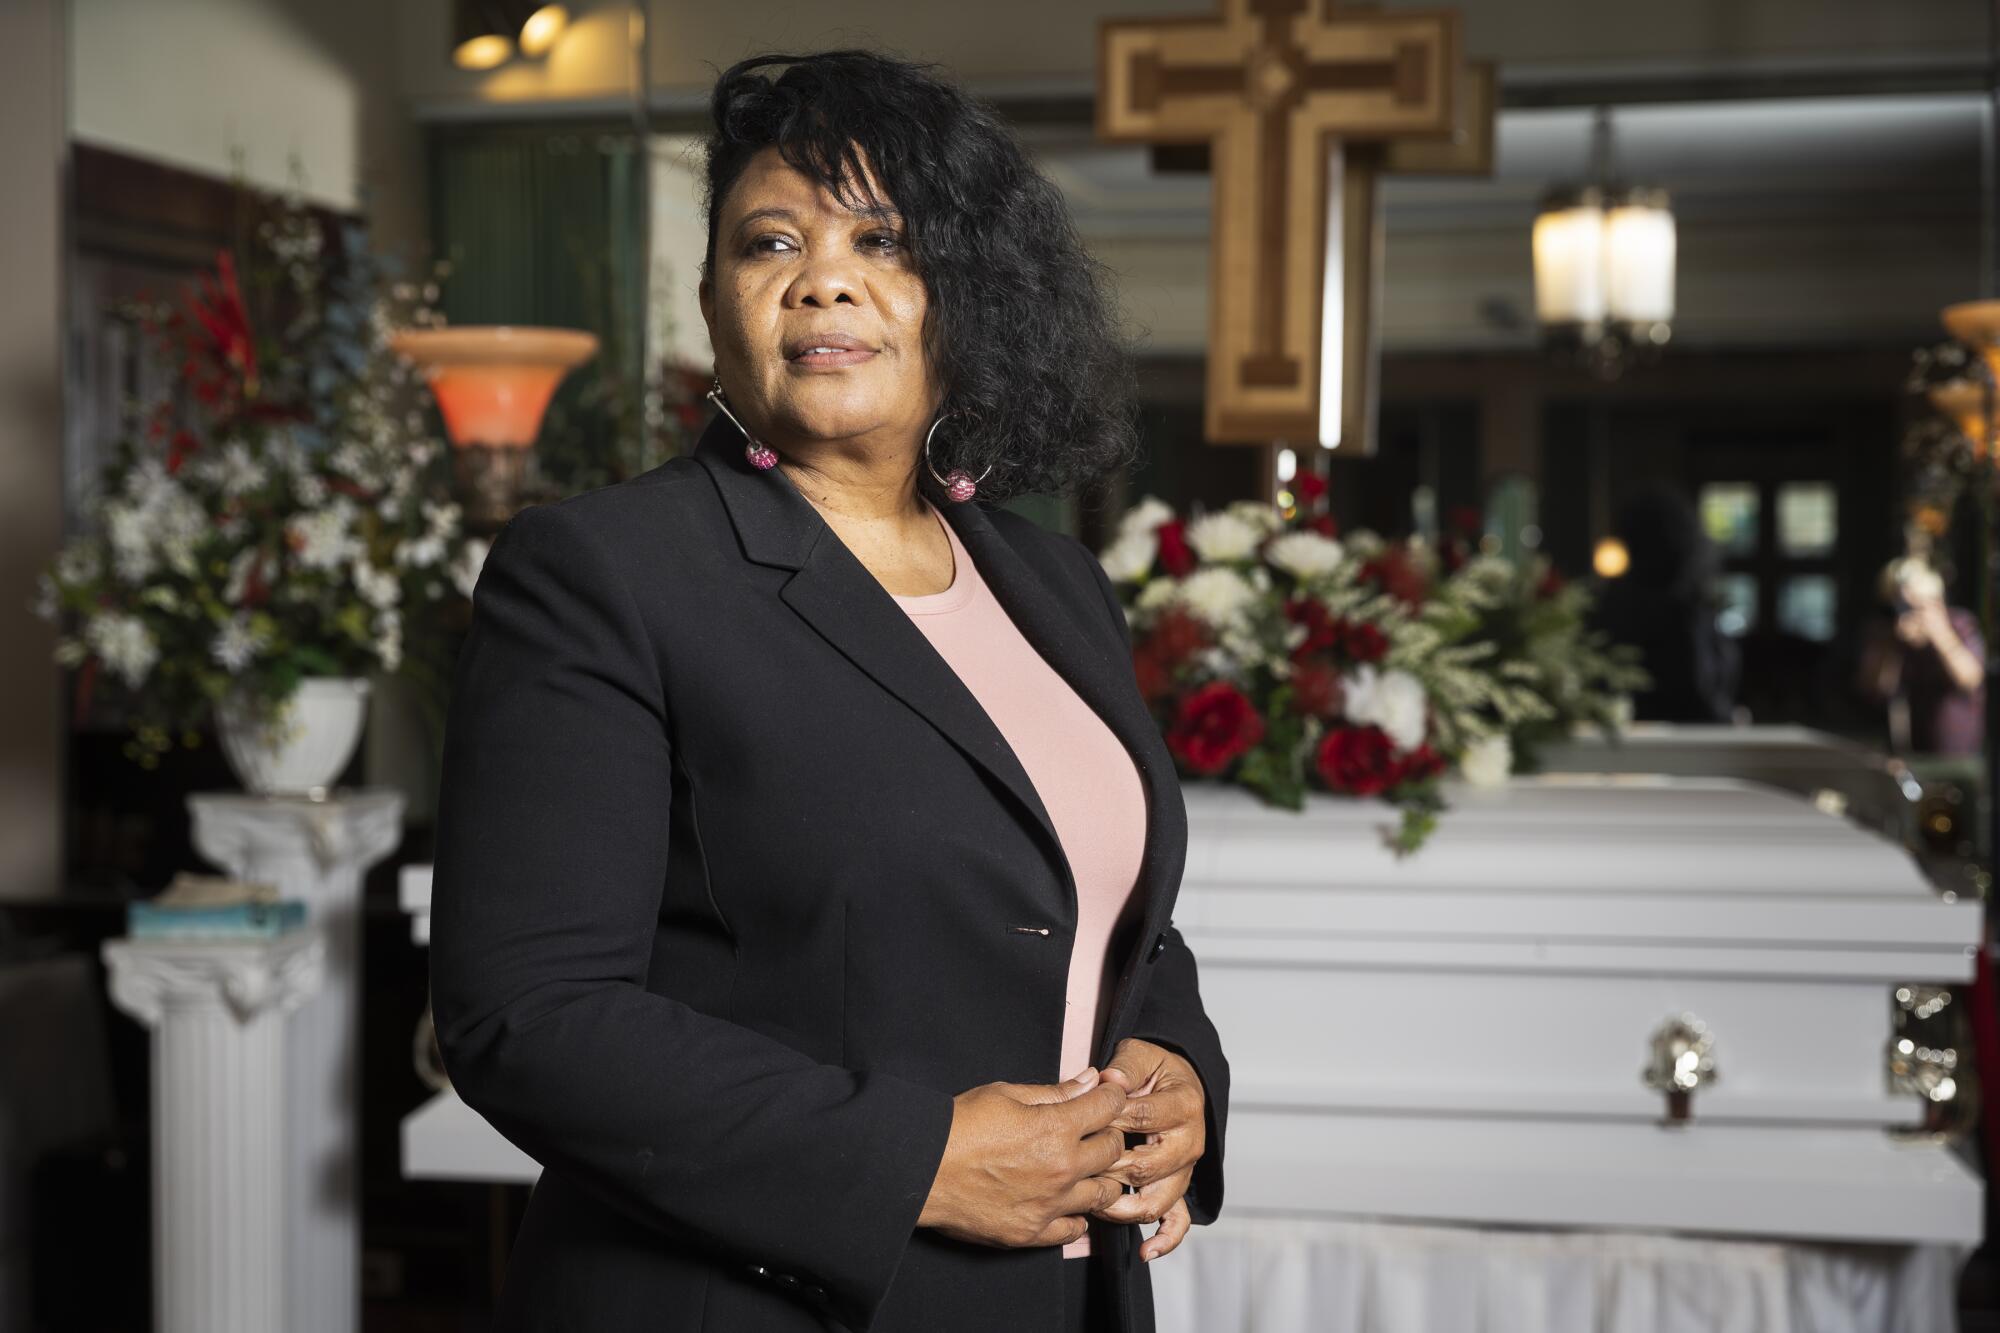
1216, 724
1358, 761
1309, 486
1324, 525
1317, 691
1362, 642
1156, 680
1395, 573
1420, 764
1177, 635
1176, 556
1322, 632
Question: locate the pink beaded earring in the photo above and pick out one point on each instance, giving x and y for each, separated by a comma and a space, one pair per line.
959, 484
762, 456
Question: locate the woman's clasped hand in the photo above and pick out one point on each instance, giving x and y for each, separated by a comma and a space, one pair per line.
1027, 1164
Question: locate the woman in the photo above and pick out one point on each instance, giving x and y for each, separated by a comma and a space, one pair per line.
805, 849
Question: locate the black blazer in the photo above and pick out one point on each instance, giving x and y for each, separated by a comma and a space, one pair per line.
731, 881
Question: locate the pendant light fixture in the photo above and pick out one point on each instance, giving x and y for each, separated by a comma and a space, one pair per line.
487, 33
1605, 256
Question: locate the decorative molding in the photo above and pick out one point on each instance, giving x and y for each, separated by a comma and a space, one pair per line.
237, 829
152, 977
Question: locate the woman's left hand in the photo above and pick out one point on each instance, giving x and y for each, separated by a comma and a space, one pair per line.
1164, 1101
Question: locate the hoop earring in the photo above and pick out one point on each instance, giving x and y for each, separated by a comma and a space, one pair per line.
959, 485
762, 456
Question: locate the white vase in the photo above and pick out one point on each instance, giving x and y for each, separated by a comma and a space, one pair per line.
317, 731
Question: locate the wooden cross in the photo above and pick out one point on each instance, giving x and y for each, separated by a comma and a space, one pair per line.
1300, 106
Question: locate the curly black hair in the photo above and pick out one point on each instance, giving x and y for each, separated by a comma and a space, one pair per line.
1021, 325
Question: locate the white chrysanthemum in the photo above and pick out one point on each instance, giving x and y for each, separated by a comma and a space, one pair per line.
1264, 517
389, 639
1148, 514
471, 560
1156, 594
378, 587
1127, 559
419, 553
1621, 713
1223, 536
309, 490
1488, 761
124, 643
47, 604
1217, 663
158, 520
322, 539
1217, 595
235, 645
70, 652
350, 459
441, 520
79, 562
238, 471
1305, 555
1391, 700
131, 533
1365, 545
239, 575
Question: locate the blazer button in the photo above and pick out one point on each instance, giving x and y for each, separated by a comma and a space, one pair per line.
1159, 947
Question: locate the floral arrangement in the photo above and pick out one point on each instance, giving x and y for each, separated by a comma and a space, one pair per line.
286, 513
1280, 657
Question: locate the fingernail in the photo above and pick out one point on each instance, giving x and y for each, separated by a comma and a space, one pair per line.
1088, 1077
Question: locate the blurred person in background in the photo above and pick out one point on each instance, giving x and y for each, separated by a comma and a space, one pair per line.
1927, 664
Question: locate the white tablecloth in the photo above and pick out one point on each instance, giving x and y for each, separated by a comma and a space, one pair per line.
1280, 1275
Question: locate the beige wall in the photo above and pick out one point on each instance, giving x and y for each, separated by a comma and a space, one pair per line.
31, 162
209, 84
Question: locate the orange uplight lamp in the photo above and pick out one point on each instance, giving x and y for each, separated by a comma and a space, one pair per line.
1964, 402
493, 384
1977, 325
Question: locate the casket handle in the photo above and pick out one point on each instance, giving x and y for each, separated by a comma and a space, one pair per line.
1682, 1061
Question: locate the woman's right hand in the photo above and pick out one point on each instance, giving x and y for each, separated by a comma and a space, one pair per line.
1021, 1164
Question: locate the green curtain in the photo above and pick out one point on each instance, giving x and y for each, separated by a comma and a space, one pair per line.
546, 224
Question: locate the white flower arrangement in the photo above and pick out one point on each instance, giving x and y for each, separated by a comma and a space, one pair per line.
296, 523
1279, 657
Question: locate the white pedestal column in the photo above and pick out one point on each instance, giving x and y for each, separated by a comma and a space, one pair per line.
217, 1010
317, 852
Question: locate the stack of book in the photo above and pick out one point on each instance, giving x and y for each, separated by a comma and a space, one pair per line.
214, 907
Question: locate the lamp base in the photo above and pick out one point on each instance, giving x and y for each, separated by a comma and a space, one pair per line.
490, 482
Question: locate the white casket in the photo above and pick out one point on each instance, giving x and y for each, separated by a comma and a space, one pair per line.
1875, 790
1458, 1036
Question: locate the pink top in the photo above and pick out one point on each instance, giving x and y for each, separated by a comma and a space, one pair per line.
1080, 769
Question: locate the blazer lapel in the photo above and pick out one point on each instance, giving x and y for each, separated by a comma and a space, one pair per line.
834, 593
